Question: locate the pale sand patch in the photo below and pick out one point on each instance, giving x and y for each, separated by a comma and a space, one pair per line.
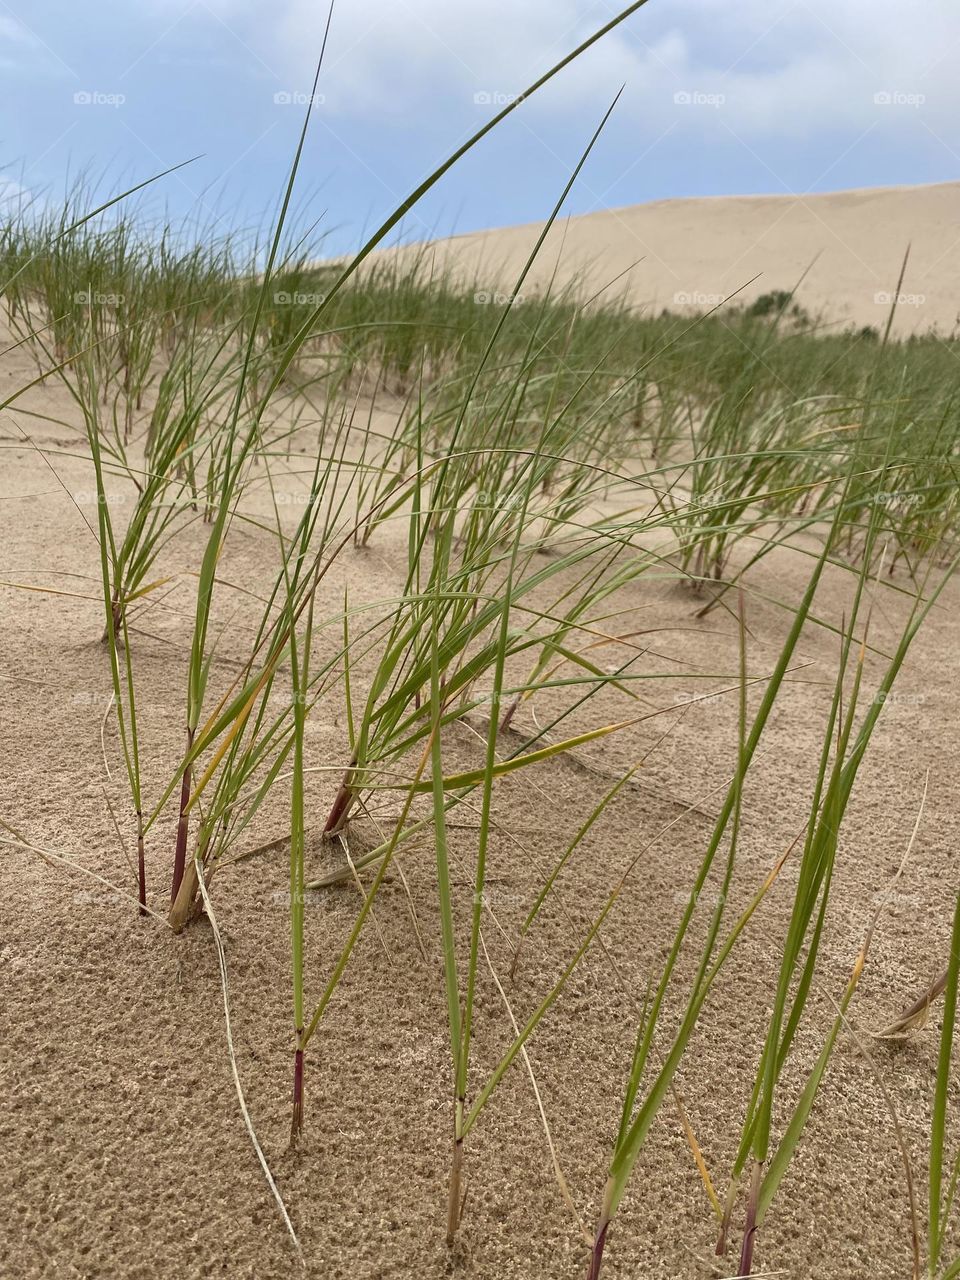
697, 251
122, 1151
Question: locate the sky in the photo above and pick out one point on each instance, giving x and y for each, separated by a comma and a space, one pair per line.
760, 96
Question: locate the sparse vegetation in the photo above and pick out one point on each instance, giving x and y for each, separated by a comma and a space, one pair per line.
540, 466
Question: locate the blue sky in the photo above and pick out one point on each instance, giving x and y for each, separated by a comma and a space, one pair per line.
758, 96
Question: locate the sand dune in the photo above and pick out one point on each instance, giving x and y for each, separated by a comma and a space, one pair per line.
122, 1149
695, 252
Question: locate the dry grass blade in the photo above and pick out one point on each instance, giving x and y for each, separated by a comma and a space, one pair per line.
554, 1157
57, 860
901, 1136
231, 1054
917, 1014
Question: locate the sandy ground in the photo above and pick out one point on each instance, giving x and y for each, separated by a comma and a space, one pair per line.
122, 1149
687, 255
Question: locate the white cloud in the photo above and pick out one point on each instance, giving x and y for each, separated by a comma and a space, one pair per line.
14, 32
779, 66
411, 54
804, 67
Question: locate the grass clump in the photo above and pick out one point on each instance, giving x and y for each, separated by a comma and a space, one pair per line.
545, 468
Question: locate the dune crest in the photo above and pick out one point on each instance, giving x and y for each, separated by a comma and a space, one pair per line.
695, 252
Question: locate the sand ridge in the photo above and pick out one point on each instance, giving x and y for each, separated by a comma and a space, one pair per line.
848, 246
122, 1151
